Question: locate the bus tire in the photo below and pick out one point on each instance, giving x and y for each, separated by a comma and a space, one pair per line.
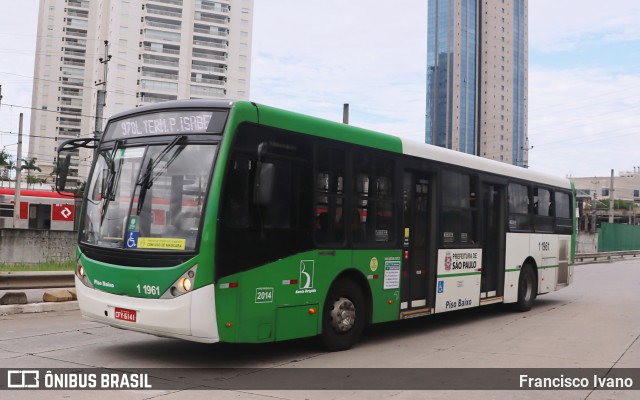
527, 288
344, 315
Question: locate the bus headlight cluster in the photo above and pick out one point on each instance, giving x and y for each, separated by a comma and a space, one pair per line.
183, 285
82, 274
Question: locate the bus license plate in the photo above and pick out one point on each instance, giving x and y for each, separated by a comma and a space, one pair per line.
125, 315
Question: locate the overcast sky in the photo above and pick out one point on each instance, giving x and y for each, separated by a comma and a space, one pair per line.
312, 56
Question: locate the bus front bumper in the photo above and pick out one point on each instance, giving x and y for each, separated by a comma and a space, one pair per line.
190, 316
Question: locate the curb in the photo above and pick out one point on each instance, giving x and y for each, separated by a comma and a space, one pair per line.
38, 307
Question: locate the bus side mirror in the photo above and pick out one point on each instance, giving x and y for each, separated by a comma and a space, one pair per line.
263, 188
63, 172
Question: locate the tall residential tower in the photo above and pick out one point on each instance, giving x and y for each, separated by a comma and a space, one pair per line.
477, 78
160, 50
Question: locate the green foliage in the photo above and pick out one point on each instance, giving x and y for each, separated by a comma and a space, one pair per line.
47, 266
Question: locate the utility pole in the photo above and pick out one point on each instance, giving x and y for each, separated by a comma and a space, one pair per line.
594, 209
525, 164
16, 198
101, 99
345, 114
611, 197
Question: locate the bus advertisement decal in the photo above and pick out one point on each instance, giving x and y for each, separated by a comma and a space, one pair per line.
305, 283
161, 243
391, 273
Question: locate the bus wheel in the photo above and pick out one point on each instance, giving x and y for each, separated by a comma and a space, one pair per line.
344, 315
527, 288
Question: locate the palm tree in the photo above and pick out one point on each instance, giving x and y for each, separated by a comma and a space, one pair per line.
5, 158
10, 166
30, 166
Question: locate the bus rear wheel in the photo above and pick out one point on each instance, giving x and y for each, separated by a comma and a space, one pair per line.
527, 288
343, 316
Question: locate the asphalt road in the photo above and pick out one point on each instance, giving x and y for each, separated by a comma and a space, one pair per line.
594, 323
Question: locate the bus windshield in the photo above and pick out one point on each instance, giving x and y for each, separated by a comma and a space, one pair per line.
148, 197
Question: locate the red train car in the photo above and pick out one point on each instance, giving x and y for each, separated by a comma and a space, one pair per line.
39, 209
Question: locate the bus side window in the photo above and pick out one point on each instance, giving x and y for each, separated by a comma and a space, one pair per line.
236, 206
459, 213
329, 196
543, 219
519, 218
373, 218
564, 223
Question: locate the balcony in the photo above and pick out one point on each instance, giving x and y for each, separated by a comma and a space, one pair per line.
158, 86
213, 6
164, 11
78, 4
71, 71
74, 63
69, 121
218, 56
161, 48
161, 35
71, 92
67, 101
76, 32
74, 53
72, 81
198, 79
208, 67
207, 91
159, 73
172, 2
162, 23
206, 42
157, 60
211, 30
211, 18
74, 42
75, 13
156, 98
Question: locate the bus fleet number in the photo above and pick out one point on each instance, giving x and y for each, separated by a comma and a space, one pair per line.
149, 290
544, 246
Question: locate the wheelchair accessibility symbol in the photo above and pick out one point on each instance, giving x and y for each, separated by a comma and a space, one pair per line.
132, 240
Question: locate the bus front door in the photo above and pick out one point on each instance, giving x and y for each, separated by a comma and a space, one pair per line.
493, 240
415, 255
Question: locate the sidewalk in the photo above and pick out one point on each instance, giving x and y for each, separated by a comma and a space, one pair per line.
37, 300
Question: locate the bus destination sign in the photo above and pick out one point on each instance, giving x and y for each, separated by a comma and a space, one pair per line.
166, 123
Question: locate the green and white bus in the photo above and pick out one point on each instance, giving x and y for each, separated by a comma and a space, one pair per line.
225, 221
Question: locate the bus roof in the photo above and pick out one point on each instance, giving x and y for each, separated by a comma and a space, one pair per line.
289, 120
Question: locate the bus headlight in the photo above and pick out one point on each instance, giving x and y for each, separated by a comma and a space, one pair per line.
82, 274
182, 285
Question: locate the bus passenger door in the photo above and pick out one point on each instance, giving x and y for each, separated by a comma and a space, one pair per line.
493, 240
415, 255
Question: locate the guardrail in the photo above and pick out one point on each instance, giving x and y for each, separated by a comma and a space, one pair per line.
607, 256
36, 280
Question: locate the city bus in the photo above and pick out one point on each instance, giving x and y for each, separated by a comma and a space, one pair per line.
231, 221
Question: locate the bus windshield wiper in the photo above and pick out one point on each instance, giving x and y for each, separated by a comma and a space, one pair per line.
108, 192
145, 181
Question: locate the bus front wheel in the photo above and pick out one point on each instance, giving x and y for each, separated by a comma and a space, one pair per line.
343, 316
527, 288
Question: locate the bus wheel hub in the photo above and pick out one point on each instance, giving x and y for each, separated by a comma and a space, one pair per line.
343, 315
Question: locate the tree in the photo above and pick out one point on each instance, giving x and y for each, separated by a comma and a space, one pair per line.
5, 166
30, 166
10, 166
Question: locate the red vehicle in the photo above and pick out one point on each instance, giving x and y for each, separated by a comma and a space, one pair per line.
39, 209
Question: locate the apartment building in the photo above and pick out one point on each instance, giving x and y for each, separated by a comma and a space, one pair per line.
146, 51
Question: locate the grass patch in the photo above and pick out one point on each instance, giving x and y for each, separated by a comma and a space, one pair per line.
47, 266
